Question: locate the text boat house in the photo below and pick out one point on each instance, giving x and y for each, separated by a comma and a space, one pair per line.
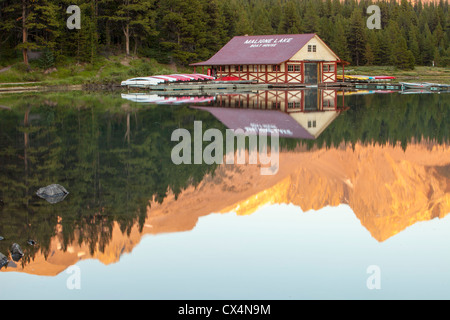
276, 59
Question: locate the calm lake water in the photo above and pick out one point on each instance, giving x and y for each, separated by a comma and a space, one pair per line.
357, 207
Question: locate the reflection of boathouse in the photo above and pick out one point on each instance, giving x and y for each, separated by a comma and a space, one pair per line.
304, 113
297, 58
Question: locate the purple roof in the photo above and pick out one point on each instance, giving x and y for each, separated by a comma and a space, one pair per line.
252, 121
270, 49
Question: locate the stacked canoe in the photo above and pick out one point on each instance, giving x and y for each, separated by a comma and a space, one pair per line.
144, 82
364, 78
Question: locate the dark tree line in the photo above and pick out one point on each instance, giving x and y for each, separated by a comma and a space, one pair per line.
185, 31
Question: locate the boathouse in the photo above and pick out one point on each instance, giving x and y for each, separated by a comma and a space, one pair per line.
275, 59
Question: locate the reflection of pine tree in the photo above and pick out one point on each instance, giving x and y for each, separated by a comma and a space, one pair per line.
109, 179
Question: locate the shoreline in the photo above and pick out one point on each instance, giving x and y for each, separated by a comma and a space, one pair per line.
43, 88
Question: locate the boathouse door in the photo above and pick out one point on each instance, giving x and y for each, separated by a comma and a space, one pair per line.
311, 73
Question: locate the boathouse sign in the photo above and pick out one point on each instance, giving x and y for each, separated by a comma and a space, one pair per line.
269, 42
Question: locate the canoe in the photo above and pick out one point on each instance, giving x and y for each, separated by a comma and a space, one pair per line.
438, 86
384, 77
166, 78
365, 77
183, 77
415, 91
142, 97
229, 79
157, 99
415, 85
204, 76
192, 77
143, 81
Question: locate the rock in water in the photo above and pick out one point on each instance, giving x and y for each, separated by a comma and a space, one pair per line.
3, 260
16, 252
53, 193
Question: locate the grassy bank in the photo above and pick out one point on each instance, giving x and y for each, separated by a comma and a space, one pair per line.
419, 74
110, 70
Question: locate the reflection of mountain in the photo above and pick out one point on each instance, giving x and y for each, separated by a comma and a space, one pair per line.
58, 258
387, 188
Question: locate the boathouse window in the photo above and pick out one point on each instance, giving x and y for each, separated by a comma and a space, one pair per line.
239, 68
294, 105
328, 68
293, 67
311, 124
276, 68
311, 48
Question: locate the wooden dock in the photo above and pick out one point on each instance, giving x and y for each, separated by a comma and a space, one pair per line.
361, 86
209, 86
233, 86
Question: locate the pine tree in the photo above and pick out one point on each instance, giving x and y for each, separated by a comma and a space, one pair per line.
426, 45
326, 28
182, 29
47, 60
399, 54
438, 35
372, 42
310, 21
243, 24
339, 40
290, 20
137, 19
8, 29
275, 14
229, 11
216, 36
413, 44
356, 37
261, 21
